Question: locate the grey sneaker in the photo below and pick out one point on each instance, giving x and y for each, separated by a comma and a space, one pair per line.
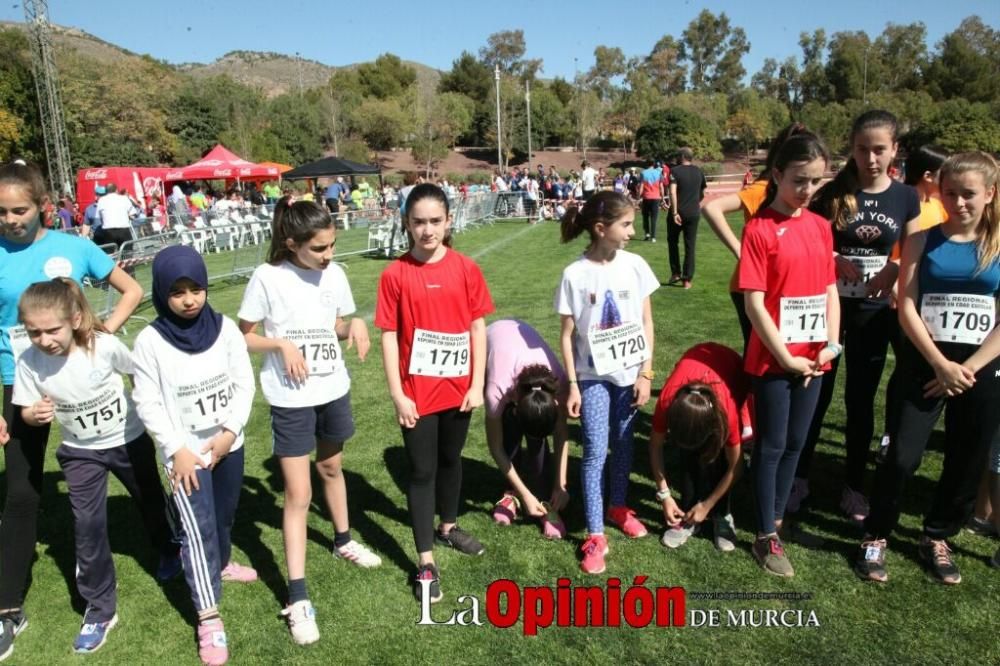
460, 540
724, 533
770, 553
677, 536
11, 624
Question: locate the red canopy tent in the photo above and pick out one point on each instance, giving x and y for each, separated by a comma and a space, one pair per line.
140, 182
222, 164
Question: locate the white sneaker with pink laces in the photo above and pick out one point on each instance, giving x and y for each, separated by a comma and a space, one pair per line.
358, 554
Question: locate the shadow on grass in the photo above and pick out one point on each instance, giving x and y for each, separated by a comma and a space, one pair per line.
125, 536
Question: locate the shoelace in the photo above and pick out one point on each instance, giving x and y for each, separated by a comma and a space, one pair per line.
942, 553
590, 546
425, 573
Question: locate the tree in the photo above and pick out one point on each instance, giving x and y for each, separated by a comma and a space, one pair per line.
383, 123
967, 63
637, 102
715, 50
609, 62
550, 124
562, 89
957, 125
902, 54
851, 66
764, 115
668, 130
666, 72
507, 49
18, 98
748, 129
780, 81
813, 82
442, 119
831, 121
197, 118
387, 77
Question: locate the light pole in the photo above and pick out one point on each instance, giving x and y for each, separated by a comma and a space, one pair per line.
527, 101
864, 85
496, 75
298, 62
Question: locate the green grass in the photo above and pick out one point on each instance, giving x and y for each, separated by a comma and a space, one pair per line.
370, 616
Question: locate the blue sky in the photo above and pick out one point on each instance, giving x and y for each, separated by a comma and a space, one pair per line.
435, 33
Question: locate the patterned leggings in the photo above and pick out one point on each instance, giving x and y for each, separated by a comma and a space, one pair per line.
607, 416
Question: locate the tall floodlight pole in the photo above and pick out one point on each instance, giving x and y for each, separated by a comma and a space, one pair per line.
36, 17
864, 88
527, 102
496, 76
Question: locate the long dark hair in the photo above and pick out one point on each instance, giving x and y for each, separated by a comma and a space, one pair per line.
604, 207
925, 159
426, 191
837, 200
804, 147
776, 143
535, 406
297, 221
696, 422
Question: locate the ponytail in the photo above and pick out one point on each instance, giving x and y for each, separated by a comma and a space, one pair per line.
536, 408
604, 208
63, 296
297, 222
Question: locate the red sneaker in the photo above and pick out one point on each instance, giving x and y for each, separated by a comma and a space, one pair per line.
505, 511
625, 520
594, 549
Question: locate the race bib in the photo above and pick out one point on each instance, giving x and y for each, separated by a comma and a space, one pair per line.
205, 404
869, 267
319, 346
803, 319
93, 418
19, 341
617, 348
439, 354
963, 318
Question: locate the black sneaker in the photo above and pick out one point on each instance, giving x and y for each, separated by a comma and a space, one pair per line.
429, 579
936, 554
870, 562
980, 527
11, 624
460, 540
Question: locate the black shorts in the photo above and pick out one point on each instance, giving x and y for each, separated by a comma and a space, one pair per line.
295, 430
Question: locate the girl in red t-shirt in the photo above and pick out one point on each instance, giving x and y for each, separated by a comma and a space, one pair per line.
431, 308
789, 284
703, 411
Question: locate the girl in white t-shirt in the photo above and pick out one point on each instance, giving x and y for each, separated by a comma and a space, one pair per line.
72, 374
607, 346
302, 297
194, 389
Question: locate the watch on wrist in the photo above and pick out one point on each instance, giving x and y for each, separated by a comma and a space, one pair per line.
663, 495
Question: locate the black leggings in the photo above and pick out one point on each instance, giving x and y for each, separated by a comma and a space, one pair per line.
689, 228
532, 461
866, 333
740, 304
697, 481
434, 447
970, 422
650, 211
24, 455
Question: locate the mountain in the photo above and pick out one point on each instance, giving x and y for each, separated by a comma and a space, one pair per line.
273, 73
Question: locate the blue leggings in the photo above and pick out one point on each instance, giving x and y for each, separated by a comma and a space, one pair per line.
606, 414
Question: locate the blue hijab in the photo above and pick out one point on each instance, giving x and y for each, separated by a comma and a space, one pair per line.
188, 335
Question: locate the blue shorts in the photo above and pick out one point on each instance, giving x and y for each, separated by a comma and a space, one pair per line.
295, 430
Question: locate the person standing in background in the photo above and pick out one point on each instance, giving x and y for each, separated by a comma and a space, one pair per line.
687, 188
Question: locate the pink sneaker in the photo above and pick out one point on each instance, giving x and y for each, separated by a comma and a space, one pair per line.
212, 646
505, 511
238, 573
625, 520
594, 549
552, 525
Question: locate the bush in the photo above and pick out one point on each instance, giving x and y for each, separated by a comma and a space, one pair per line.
669, 130
711, 168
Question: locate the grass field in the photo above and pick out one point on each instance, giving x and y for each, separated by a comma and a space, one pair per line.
370, 616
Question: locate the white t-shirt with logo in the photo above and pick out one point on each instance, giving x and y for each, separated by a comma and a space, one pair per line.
589, 179
186, 399
600, 297
301, 305
93, 408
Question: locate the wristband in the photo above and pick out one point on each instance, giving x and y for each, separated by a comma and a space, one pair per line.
663, 495
835, 347
648, 374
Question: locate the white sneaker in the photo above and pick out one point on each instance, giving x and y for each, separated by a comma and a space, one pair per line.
677, 536
358, 554
800, 491
301, 617
854, 504
724, 533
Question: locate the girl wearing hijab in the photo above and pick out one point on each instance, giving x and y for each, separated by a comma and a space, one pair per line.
194, 387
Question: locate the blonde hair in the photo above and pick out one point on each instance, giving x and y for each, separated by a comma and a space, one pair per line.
987, 231
64, 297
